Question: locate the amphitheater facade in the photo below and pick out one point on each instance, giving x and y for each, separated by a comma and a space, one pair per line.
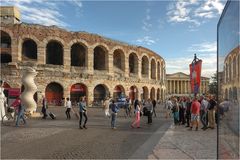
74, 64
230, 83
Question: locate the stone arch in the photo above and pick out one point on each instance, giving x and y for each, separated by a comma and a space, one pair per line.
54, 52
234, 67
158, 70
29, 49
6, 47
78, 90
152, 94
133, 63
100, 92
78, 55
153, 69
79, 41
118, 92
100, 58
145, 94
119, 59
54, 93
133, 93
145, 66
158, 94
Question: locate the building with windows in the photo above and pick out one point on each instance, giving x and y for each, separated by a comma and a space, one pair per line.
74, 64
178, 84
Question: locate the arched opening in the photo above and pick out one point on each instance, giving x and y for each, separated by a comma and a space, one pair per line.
226, 94
152, 95
145, 66
119, 59
54, 93
78, 55
133, 93
133, 63
118, 92
158, 94
161, 95
158, 71
54, 53
100, 58
6, 53
235, 94
100, 93
29, 50
145, 93
77, 90
153, 69
230, 94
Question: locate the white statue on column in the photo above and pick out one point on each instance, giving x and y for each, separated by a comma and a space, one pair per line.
30, 89
2, 100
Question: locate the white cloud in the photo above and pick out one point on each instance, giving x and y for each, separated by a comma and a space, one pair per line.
146, 21
209, 9
41, 11
146, 40
193, 11
204, 47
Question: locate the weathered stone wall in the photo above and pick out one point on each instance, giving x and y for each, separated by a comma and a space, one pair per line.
67, 75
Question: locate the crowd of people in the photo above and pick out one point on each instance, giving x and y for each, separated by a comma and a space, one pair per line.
184, 111
190, 111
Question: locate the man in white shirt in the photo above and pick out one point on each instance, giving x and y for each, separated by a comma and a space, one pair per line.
68, 106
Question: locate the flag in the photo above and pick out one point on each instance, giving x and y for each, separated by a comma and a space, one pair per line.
195, 76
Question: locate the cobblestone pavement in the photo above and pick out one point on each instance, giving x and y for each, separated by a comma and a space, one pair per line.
61, 139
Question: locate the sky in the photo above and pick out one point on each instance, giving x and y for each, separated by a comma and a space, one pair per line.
175, 30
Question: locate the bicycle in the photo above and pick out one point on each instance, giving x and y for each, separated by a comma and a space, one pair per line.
9, 117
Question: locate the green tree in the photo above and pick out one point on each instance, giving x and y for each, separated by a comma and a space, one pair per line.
213, 85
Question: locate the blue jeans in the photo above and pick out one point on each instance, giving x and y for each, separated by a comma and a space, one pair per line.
113, 121
20, 116
203, 117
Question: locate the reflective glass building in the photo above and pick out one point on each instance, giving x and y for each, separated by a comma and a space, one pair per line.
228, 82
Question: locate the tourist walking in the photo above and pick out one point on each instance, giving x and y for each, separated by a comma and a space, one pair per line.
68, 106
203, 112
149, 108
188, 111
211, 112
44, 107
20, 110
83, 112
136, 122
106, 104
175, 111
195, 113
114, 109
182, 109
168, 107
154, 103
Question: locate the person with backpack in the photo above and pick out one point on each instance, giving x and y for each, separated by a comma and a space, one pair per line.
44, 107
114, 109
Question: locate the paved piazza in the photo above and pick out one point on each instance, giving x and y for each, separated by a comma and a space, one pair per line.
61, 139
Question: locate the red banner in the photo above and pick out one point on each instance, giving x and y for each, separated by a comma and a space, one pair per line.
195, 76
14, 92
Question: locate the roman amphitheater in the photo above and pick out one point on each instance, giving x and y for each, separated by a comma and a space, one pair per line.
74, 64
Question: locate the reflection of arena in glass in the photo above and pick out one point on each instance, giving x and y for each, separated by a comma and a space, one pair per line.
231, 76
75, 64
